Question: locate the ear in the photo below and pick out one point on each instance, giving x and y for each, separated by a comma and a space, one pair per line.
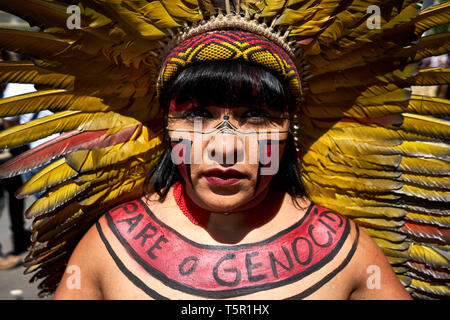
295, 111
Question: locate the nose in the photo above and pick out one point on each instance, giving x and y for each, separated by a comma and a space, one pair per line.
225, 148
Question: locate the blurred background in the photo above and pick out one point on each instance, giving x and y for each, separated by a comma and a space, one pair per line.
13, 283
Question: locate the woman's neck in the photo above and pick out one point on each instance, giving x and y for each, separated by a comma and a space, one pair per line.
231, 227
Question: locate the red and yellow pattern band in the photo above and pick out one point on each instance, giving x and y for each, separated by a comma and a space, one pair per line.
231, 46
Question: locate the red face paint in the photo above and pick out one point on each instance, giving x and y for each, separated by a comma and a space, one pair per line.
181, 156
268, 159
180, 107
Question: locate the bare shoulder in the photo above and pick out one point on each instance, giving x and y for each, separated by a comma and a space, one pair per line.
81, 277
373, 276
97, 263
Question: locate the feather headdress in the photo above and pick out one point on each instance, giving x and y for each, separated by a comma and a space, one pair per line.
369, 149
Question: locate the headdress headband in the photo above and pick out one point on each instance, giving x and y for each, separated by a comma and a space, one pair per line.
368, 148
232, 37
231, 45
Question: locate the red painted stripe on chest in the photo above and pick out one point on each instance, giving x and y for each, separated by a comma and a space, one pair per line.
283, 258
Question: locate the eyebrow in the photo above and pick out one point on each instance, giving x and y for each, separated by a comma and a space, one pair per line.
191, 104
187, 105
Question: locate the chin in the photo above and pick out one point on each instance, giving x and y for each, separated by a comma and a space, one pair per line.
224, 199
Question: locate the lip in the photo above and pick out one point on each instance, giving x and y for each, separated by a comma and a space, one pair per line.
223, 177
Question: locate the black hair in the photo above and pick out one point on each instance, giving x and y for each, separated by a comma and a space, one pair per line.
227, 84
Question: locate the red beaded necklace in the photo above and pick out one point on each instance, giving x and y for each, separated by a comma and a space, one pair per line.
193, 212
199, 216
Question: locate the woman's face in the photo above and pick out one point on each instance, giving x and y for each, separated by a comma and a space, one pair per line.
226, 155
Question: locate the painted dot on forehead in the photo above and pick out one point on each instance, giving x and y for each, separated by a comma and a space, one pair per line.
226, 117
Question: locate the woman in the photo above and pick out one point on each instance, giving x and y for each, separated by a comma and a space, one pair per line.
227, 215
199, 110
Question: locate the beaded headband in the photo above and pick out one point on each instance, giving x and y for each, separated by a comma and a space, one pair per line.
232, 38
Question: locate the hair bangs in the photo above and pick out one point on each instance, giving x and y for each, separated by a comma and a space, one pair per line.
228, 84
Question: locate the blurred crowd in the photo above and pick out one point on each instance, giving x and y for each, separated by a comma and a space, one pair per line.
20, 236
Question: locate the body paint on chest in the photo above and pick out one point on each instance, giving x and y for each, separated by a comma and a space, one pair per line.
219, 271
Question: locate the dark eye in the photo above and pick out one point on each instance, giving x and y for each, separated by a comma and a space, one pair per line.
256, 114
197, 113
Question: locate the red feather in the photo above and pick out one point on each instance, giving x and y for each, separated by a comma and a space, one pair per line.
61, 145
426, 231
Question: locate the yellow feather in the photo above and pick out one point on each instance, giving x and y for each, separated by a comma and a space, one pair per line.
156, 12
433, 45
43, 127
291, 17
85, 161
132, 190
350, 165
54, 173
46, 219
272, 7
427, 181
353, 157
431, 17
427, 126
380, 223
362, 209
342, 23
135, 23
96, 194
430, 77
96, 19
51, 227
178, 10
384, 234
32, 43
432, 288
424, 166
380, 98
380, 175
54, 198
424, 193
385, 244
355, 111
429, 106
401, 255
443, 221
355, 184
53, 100
428, 254
403, 17
435, 150
395, 261
27, 72
112, 121
419, 105
311, 28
